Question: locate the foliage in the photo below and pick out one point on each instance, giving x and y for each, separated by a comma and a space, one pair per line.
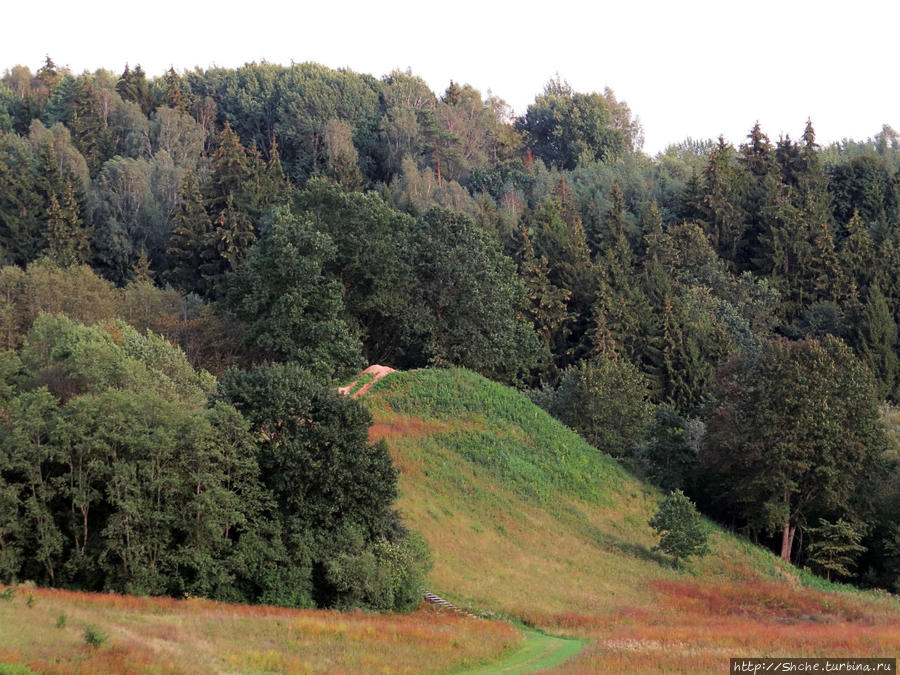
471, 302
680, 527
606, 401
834, 548
94, 637
292, 308
796, 429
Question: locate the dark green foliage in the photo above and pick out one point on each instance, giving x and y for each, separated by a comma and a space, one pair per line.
564, 127
293, 309
369, 260
472, 305
668, 456
187, 248
795, 431
865, 185
606, 401
117, 474
680, 527
68, 240
333, 489
875, 341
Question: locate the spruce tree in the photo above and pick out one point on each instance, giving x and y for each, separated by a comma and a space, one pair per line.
875, 340
857, 255
69, 242
188, 240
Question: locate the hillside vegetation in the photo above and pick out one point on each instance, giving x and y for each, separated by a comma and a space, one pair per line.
527, 520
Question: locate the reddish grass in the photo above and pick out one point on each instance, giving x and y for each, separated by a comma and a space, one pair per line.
696, 626
405, 425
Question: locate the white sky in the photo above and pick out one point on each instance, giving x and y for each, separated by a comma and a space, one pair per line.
695, 68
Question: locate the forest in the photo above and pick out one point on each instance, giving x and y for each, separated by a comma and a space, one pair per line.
192, 262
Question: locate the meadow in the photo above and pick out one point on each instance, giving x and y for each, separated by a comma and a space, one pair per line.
43, 631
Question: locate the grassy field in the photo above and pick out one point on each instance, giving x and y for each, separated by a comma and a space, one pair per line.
528, 521
46, 634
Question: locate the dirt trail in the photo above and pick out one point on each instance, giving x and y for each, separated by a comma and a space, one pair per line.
375, 371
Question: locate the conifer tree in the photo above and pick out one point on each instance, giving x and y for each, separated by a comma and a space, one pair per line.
22, 210
233, 235
875, 340
719, 208
759, 194
857, 255
69, 242
90, 132
187, 243
548, 302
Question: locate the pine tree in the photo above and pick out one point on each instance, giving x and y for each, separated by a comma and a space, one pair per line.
230, 170
22, 210
69, 242
759, 195
857, 255
226, 245
90, 132
875, 341
548, 303
719, 208
188, 239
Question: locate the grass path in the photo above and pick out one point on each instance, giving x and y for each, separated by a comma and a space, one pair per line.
539, 652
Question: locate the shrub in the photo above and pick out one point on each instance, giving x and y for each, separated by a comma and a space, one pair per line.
680, 527
93, 636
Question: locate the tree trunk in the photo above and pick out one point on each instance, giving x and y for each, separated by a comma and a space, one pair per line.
787, 539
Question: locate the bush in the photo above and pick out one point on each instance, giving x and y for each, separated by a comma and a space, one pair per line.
680, 527
93, 636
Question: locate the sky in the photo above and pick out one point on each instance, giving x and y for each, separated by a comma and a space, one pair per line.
686, 68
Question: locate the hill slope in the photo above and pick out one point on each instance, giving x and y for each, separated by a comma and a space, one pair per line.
527, 520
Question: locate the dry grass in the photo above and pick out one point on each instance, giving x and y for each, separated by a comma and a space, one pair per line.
174, 636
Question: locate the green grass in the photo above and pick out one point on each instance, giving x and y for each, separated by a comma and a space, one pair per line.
539, 652
526, 519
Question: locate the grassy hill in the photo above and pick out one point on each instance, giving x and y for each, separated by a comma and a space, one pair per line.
527, 520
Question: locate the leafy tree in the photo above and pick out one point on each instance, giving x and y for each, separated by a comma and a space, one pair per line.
332, 488
669, 457
472, 311
564, 127
795, 430
369, 260
293, 309
606, 401
679, 527
834, 548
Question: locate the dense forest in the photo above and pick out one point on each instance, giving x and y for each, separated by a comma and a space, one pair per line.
191, 262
